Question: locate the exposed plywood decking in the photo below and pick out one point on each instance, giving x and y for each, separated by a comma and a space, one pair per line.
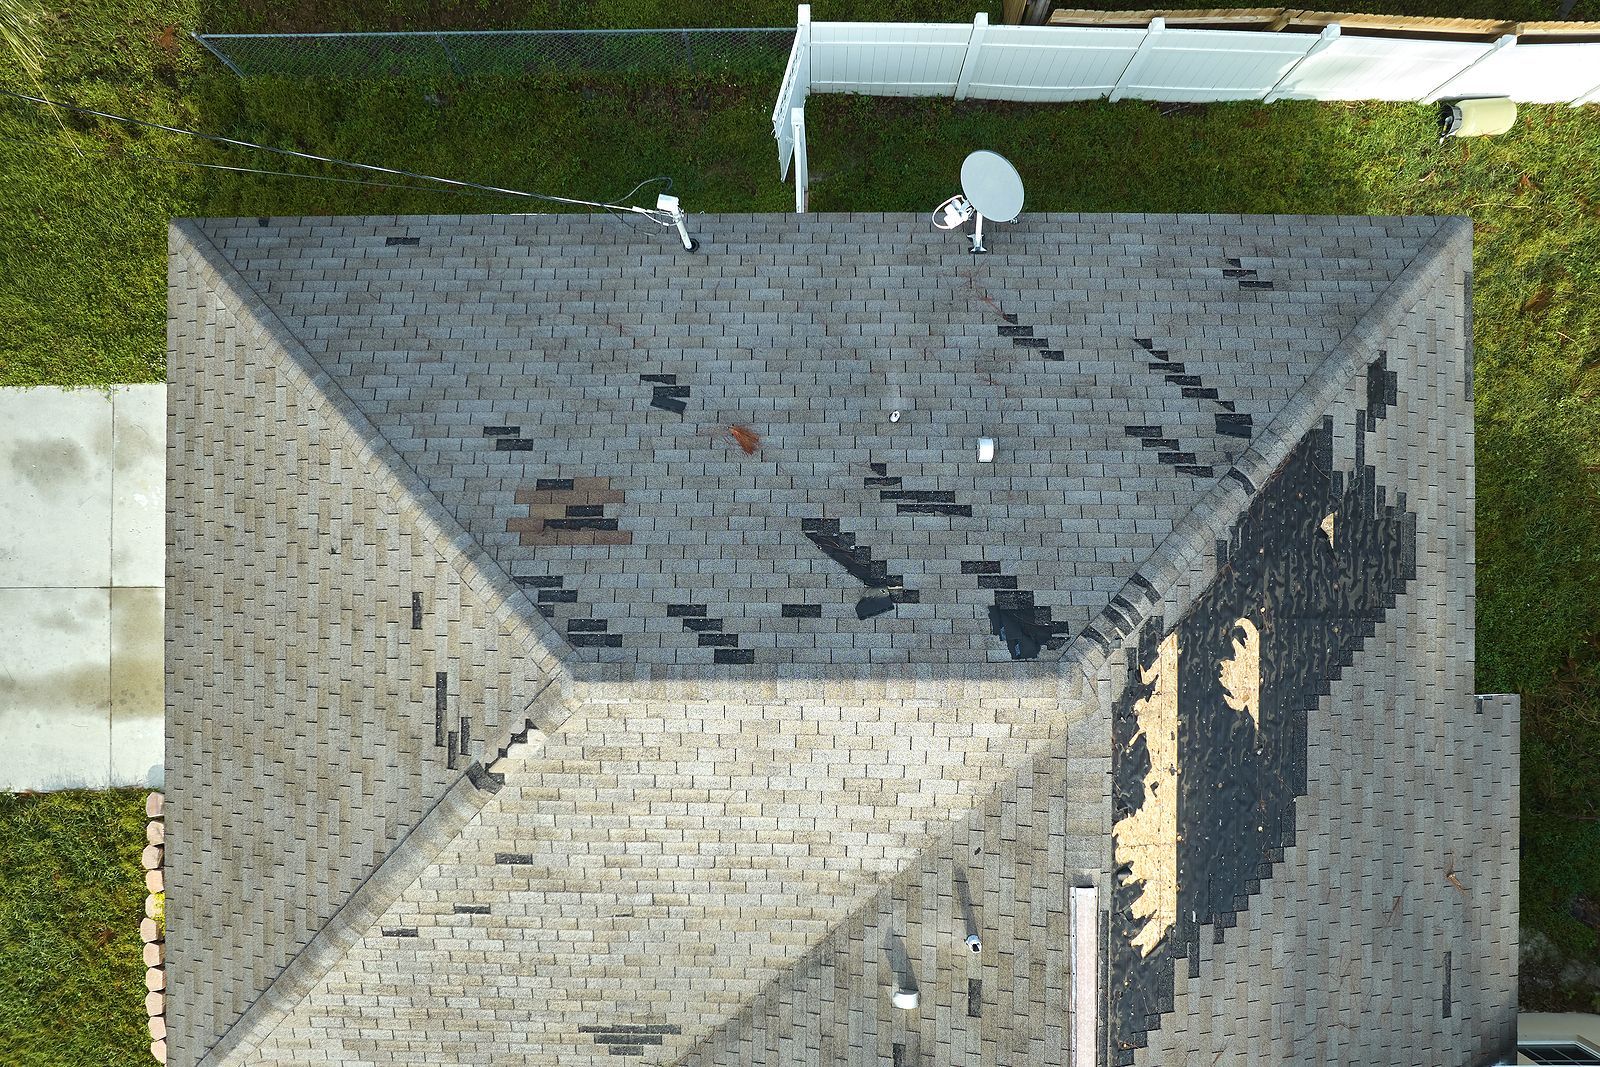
1147, 839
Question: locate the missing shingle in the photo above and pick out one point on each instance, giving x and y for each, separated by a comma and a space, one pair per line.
1447, 991
416, 611
402, 240
471, 909
466, 734
399, 931
899, 1054
450, 750
802, 611
513, 859
501, 431
1239, 476
441, 698
483, 780
1231, 425
974, 998
873, 606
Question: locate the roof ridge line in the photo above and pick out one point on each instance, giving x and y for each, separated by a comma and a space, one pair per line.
1196, 533
1082, 661
303, 373
441, 825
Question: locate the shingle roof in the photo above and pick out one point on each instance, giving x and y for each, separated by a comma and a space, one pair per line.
461, 492
566, 387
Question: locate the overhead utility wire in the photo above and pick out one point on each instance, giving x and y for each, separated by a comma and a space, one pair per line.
219, 139
142, 158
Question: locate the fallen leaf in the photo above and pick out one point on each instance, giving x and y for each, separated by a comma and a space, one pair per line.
167, 40
745, 437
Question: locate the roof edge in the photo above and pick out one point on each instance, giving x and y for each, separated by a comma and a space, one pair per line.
1184, 550
417, 504
400, 869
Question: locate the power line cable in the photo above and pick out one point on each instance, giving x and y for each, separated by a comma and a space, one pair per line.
142, 158
219, 139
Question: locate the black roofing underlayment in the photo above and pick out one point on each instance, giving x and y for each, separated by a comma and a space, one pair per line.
1313, 604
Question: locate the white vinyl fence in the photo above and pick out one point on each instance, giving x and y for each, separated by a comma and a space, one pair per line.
1050, 64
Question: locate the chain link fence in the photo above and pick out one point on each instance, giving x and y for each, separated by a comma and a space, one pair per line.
559, 54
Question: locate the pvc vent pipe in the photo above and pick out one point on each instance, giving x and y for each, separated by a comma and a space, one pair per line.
985, 450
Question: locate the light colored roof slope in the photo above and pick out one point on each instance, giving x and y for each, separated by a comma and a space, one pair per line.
678, 847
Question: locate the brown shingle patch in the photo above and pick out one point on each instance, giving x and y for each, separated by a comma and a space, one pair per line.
574, 516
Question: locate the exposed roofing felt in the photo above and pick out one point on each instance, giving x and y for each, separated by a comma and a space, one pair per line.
519, 713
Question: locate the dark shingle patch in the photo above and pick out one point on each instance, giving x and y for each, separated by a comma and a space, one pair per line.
513, 858
802, 611
1231, 425
441, 698
501, 431
471, 909
1383, 389
399, 931
391, 241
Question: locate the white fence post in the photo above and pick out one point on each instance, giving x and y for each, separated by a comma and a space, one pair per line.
1138, 60
969, 62
795, 87
1507, 41
1328, 35
802, 32
802, 165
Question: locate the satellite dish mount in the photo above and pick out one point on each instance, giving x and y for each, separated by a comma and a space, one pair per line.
990, 186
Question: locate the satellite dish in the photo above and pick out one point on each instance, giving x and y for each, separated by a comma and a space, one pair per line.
992, 185
990, 188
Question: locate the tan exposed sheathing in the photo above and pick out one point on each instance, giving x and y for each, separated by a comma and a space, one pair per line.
1147, 838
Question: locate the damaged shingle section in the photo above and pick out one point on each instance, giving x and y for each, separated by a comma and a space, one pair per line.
584, 364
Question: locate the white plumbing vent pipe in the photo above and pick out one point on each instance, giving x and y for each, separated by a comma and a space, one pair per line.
905, 998
985, 450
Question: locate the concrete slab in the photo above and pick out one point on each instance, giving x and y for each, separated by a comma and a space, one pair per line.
139, 489
55, 688
138, 680
82, 575
55, 468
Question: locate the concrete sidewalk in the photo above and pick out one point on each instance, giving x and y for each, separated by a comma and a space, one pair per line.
82, 557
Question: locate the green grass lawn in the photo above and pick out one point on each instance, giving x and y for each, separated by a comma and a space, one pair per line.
71, 897
82, 268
